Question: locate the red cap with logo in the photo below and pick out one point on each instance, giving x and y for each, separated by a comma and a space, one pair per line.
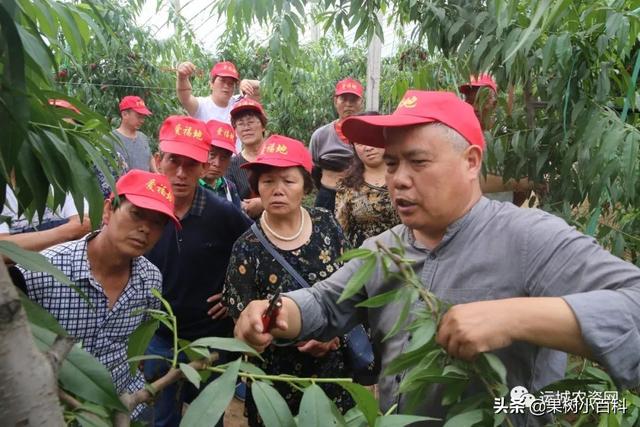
185, 136
248, 104
222, 135
283, 152
225, 69
63, 103
483, 80
134, 103
349, 85
148, 190
417, 107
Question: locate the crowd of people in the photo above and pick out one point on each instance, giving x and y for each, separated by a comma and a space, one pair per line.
215, 220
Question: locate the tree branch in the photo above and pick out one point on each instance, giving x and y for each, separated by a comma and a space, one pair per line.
131, 400
58, 351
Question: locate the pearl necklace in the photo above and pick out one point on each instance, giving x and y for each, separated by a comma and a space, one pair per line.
278, 236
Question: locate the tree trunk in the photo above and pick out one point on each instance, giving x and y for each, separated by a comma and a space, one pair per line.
28, 386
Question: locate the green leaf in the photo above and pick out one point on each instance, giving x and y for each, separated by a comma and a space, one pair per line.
272, 407
355, 418
88, 419
360, 278
32, 261
543, 6
190, 374
401, 420
422, 335
142, 357
139, 341
39, 316
496, 365
409, 299
193, 353
380, 299
355, 253
365, 401
210, 404
466, 419
81, 373
317, 410
228, 344
593, 222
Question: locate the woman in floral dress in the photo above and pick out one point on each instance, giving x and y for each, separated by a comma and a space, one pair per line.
363, 204
311, 241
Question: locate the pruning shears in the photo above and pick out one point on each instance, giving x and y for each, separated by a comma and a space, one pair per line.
271, 313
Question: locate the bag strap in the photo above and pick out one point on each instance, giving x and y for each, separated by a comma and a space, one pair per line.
276, 255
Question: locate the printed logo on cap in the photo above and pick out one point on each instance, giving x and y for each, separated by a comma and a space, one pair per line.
408, 102
161, 189
188, 131
225, 133
276, 148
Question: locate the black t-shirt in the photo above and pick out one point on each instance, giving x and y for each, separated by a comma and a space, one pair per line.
194, 260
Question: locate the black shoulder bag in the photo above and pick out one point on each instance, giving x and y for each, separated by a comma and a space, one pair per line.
359, 351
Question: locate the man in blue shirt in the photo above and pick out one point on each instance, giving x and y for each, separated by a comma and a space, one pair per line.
193, 261
109, 268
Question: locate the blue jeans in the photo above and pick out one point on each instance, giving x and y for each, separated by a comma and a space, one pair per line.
167, 406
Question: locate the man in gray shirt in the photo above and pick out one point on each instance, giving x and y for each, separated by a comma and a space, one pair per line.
524, 284
134, 145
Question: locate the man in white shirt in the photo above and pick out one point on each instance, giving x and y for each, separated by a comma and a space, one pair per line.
223, 80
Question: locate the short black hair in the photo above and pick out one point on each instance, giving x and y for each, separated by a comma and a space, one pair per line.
117, 200
258, 170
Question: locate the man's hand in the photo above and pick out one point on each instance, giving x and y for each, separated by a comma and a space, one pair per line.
249, 325
469, 329
477, 327
185, 70
319, 348
218, 311
246, 87
252, 207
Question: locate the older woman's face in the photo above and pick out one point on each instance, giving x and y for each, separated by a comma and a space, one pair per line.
281, 190
249, 129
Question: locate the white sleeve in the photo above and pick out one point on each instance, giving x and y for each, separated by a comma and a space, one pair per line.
69, 209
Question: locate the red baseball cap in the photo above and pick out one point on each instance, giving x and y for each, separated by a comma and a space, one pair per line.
349, 85
63, 103
222, 135
281, 151
248, 104
483, 80
185, 136
134, 103
225, 69
417, 107
148, 190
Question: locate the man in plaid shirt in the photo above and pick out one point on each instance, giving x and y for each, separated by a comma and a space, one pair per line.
109, 268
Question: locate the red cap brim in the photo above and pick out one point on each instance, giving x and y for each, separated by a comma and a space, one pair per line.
225, 145
154, 205
467, 87
368, 130
185, 149
142, 110
278, 163
225, 74
352, 91
237, 110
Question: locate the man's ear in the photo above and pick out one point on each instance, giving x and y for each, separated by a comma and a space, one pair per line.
473, 159
107, 210
157, 159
